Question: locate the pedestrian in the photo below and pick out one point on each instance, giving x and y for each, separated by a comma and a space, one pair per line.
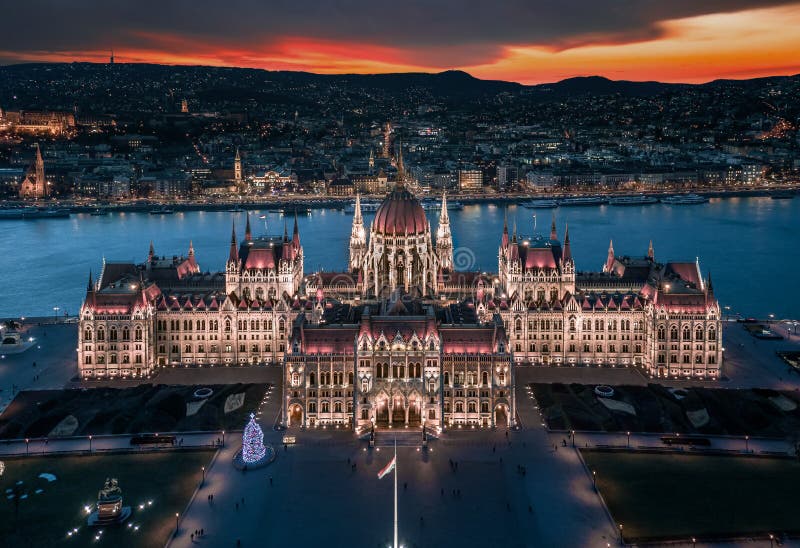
405, 486
270, 481
191, 537
202, 531
237, 505
442, 491
238, 542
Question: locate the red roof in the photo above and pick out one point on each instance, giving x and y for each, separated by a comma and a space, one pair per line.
399, 214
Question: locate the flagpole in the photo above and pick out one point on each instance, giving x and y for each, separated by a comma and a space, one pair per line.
395, 493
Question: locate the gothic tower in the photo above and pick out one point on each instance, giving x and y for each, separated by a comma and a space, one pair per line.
237, 167
444, 238
358, 238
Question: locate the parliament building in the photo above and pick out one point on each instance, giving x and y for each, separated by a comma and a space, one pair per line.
402, 338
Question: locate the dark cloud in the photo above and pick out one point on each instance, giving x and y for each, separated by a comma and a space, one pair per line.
425, 33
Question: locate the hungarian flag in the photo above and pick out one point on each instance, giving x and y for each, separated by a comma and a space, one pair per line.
388, 468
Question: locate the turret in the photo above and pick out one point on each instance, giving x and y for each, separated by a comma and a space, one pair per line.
504, 240
610, 259
567, 255
248, 234
295, 233
651, 254
358, 237
233, 256
191, 249
553, 232
444, 237
151, 254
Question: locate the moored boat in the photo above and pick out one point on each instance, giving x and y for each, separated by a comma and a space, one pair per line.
540, 204
640, 199
684, 199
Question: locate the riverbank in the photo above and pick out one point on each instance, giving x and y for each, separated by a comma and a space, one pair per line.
290, 203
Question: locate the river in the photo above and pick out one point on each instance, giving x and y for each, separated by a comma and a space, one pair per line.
749, 245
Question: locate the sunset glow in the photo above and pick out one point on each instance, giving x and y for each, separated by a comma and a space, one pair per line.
741, 44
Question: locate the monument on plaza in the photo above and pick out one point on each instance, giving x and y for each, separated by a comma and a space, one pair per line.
109, 508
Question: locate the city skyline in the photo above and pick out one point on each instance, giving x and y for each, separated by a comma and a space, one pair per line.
514, 41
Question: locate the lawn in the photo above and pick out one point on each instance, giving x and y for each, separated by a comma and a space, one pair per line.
656, 496
142, 408
166, 478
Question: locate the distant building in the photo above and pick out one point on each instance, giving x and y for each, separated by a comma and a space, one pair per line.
35, 186
470, 180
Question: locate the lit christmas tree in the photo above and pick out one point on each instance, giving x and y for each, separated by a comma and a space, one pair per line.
253, 449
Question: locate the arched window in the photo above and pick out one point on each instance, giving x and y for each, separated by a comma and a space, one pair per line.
138, 333
698, 333
337, 407
87, 334
572, 324
472, 407
112, 334
662, 333
485, 378
673, 333
687, 333
126, 333
518, 324
459, 407
295, 379
712, 334
227, 326
325, 407
447, 378
350, 378
312, 378
101, 334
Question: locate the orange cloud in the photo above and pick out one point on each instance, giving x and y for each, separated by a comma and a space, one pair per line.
743, 44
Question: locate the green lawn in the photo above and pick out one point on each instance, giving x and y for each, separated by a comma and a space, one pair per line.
658, 496
167, 479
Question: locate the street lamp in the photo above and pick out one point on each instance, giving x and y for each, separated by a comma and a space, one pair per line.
629, 439
176, 523
55, 312
771, 318
90, 443
771, 539
223, 438
573, 438
27, 443
594, 479
747, 444
694, 542
204, 475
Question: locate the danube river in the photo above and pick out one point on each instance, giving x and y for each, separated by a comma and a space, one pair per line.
749, 245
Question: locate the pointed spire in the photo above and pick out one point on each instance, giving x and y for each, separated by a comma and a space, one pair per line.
296, 232
514, 237
152, 253
238, 157
248, 234
191, 249
90, 285
553, 232
285, 231
504, 239
443, 215
610, 259
357, 218
233, 256
567, 256
709, 285
651, 254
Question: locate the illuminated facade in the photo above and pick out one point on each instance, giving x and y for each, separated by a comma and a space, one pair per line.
34, 186
400, 339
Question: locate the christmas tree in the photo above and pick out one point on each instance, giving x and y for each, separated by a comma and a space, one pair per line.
253, 449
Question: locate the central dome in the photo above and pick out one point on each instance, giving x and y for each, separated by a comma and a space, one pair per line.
400, 214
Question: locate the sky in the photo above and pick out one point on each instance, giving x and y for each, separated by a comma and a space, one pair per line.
527, 41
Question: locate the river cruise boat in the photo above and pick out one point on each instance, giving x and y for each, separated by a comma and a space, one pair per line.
684, 199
